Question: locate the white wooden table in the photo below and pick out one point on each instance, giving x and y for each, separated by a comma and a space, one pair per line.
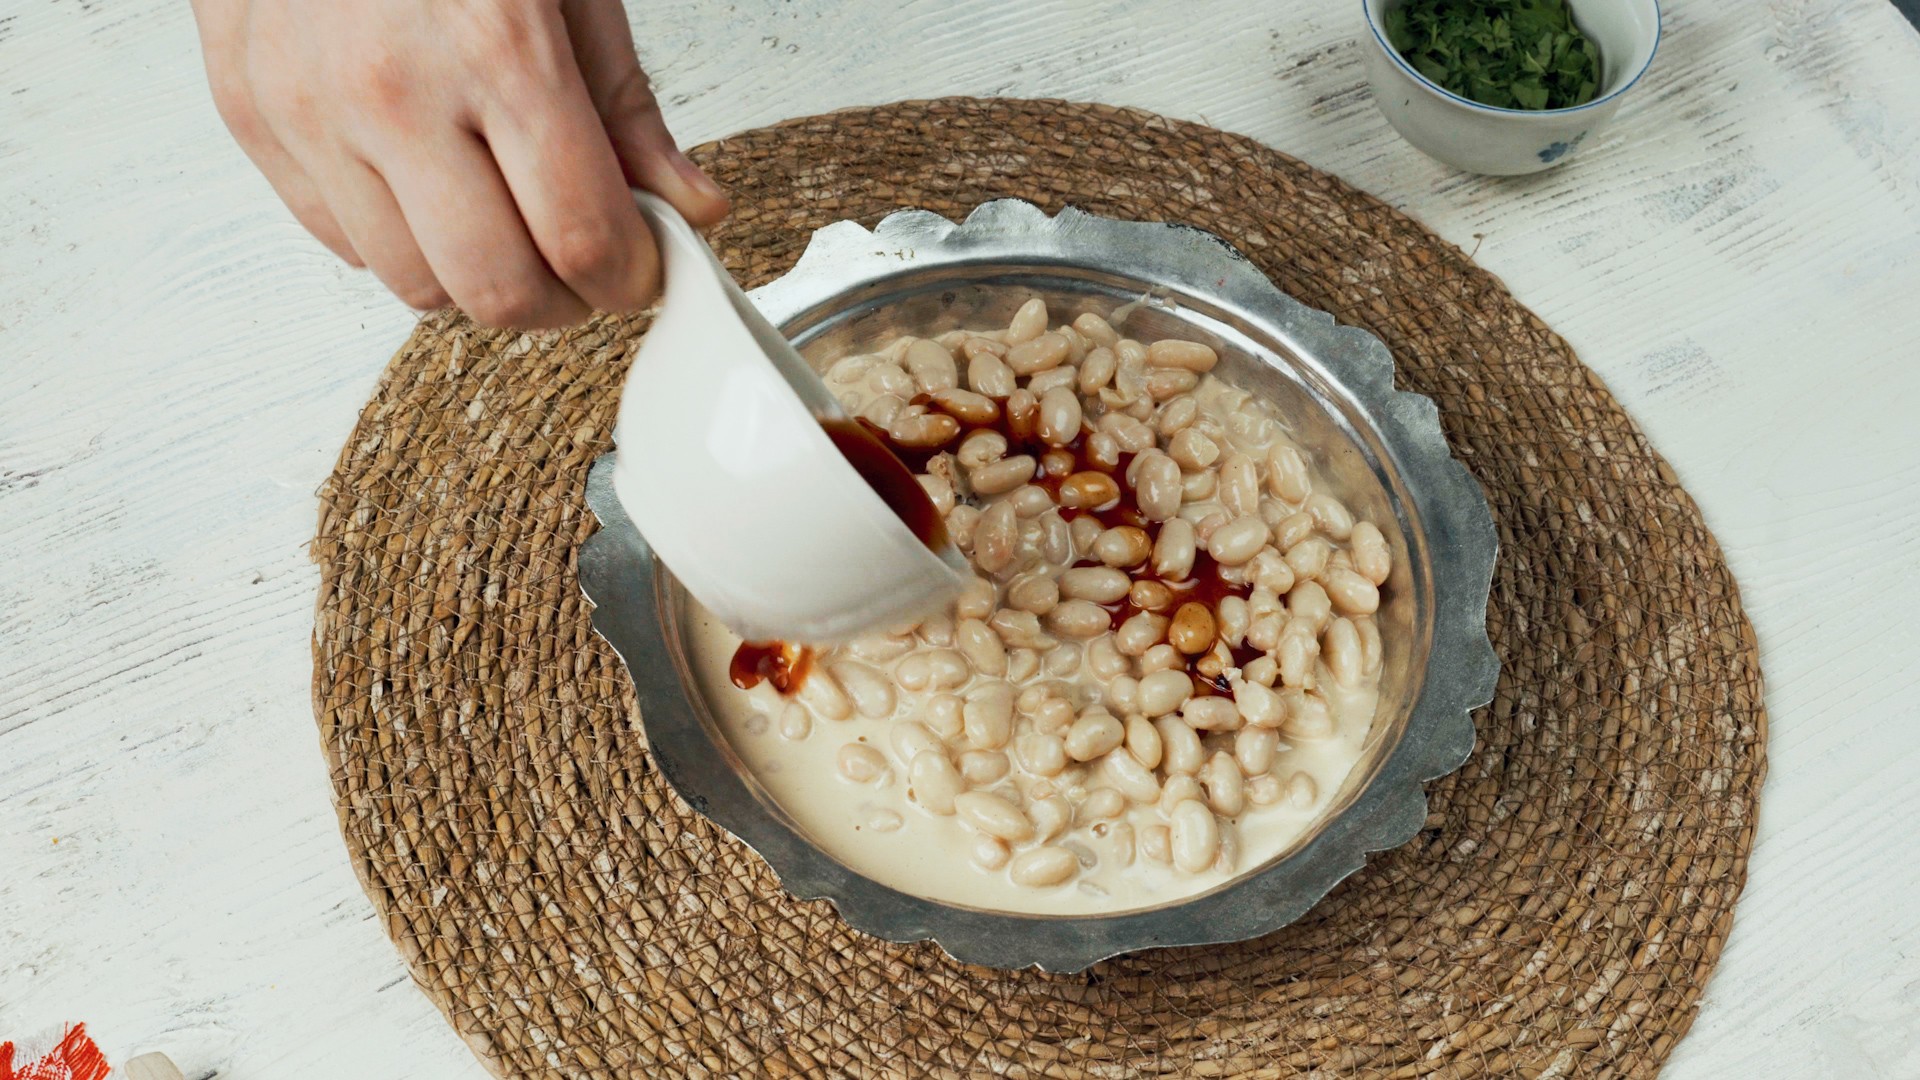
1739, 256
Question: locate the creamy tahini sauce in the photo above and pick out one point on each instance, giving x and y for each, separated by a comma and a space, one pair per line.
928, 855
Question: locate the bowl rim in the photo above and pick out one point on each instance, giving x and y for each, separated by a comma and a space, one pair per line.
1455, 524
1393, 54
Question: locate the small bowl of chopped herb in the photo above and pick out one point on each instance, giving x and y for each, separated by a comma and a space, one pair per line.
1506, 87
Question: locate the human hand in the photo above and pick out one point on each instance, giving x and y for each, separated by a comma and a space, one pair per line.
475, 152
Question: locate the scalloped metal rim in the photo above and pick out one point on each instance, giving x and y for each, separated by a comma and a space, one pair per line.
620, 576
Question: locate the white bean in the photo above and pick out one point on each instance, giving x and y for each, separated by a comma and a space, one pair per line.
1198, 487
1101, 804
1226, 787
1123, 693
1271, 572
822, 693
981, 646
1164, 383
1240, 486
1340, 647
1089, 490
1262, 671
1096, 371
1103, 659
1187, 355
1043, 867
996, 539
1156, 484
1310, 603
1102, 452
1052, 378
796, 722
1156, 844
982, 448
931, 366
1211, 714
1302, 792
1351, 592
1330, 515
1051, 816
1292, 529
987, 715
1041, 755
1021, 664
1265, 789
1049, 350
1059, 416
890, 379
946, 669
990, 853
1259, 706
1181, 752
999, 477
1122, 546
1196, 836
1371, 556
1143, 741
1162, 657
1100, 584
1192, 449
1131, 778
1097, 330
1129, 434
942, 714
1308, 716
1027, 322
1230, 620
983, 767
1308, 558
1079, 619
939, 491
1255, 748
1237, 541
1370, 646
1142, 631
1163, 692
1297, 652
988, 374
1063, 660
1174, 550
861, 763
880, 647
1034, 594
933, 782
993, 815
872, 692
1287, 475
1093, 734
911, 737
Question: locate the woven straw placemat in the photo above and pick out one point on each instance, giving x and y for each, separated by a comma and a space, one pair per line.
1559, 916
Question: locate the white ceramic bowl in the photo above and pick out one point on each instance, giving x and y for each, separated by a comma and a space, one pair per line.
1509, 142
723, 464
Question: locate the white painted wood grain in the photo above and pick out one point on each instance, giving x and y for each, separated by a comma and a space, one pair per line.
1739, 255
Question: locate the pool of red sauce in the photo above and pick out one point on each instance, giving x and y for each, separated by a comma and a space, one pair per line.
890, 469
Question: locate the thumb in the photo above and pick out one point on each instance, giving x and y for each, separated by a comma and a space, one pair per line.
603, 46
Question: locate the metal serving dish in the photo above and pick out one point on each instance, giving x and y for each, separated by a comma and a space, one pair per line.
852, 291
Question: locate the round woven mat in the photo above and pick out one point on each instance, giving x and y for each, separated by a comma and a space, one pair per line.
1558, 917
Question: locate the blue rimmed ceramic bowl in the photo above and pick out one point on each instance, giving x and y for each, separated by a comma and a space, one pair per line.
1510, 142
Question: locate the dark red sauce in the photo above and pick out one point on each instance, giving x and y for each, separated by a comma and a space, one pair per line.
783, 665
891, 471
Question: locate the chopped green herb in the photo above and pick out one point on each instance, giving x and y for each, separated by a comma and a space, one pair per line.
1513, 54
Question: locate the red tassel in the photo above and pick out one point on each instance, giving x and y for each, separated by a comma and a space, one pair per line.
75, 1057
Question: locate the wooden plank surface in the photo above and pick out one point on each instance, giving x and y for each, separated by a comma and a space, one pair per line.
1739, 256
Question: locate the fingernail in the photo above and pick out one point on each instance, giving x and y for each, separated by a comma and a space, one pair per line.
698, 180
